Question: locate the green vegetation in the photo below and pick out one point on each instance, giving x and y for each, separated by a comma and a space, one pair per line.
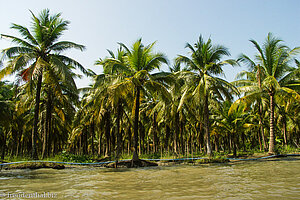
133, 110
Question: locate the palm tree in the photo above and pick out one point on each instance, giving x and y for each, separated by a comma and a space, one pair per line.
249, 83
39, 50
232, 120
279, 77
136, 65
204, 63
58, 103
105, 85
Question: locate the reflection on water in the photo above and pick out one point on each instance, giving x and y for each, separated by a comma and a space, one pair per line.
279, 179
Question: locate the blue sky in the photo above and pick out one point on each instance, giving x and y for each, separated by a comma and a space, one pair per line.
100, 24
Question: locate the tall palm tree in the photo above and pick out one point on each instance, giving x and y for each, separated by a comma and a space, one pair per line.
279, 77
38, 51
114, 97
203, 66
136, 65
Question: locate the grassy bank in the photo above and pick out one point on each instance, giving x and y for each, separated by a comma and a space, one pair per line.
66, 157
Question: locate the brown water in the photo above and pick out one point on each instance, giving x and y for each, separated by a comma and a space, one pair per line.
277, 179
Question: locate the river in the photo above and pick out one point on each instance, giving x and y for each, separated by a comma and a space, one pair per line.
276, 179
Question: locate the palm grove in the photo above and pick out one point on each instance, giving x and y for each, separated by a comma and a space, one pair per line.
132, 108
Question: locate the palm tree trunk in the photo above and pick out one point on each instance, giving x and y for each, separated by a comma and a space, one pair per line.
216, 143
112, 141
259, 140
243, 141
167, 138
84, 140
14, 137
92, 133
55, 145
47, 124
142, 138
176, 132
118, 132
99, 143
229, 143
129, 140
107, 134
200, 137
154, 133
192, 144
86, 136
135, 156
34, 154
49, 138
206, 117
258, 77
20, 133
45, 137
181, 137
234, 144
261, 126
284, 130
272, 134
3, 145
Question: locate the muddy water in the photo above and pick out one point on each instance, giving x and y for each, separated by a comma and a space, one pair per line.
277, 179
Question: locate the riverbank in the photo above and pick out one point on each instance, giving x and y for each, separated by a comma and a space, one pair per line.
140, 163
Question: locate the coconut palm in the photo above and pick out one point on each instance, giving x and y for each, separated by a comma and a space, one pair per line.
249, 84
38, 51
279, 77
105, 85
136, 65
232, 120
203, 66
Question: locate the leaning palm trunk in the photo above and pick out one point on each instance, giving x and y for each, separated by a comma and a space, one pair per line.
272, 134
34, 154
135, 156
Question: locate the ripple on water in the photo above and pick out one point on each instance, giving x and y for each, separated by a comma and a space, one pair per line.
248, 180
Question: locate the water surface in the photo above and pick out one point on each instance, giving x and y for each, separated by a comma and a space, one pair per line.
277, 179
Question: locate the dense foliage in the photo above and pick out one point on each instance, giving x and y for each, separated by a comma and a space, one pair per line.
133, 108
